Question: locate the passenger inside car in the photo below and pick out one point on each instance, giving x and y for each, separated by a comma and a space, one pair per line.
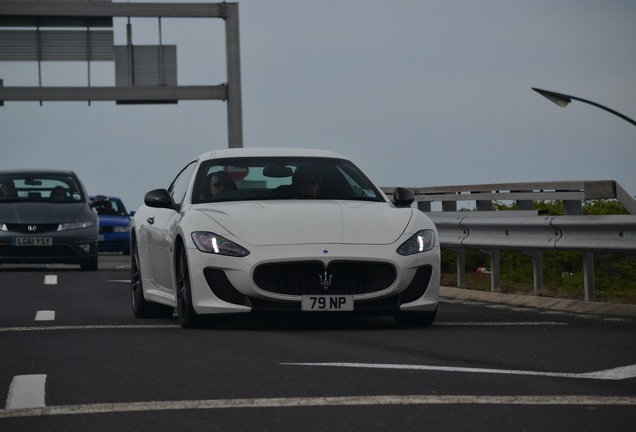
219, 182
307, 182
58, 194
106, 209
8, 189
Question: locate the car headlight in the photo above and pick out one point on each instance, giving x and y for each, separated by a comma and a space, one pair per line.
75, 225
3, 227
421, 241
122, 228
216, 244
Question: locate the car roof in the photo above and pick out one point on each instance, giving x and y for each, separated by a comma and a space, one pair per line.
37, 172
270, 151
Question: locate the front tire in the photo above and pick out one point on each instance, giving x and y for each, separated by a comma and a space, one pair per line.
188, 318
140, 306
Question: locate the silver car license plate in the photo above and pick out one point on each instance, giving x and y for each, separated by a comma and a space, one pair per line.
32, 241
327, 303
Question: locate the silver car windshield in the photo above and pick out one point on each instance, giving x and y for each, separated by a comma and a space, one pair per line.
39, 187
260, 178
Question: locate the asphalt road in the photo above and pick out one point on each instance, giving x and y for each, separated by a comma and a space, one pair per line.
73, 358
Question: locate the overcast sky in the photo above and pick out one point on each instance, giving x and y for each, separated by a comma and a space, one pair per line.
417, 93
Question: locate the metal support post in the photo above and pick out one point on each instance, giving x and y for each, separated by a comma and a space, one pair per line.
588, 276
495, 270
234, 105
537, 263
461, 268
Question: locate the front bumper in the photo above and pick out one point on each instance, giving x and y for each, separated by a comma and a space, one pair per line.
114, 242
67, 247
225, 285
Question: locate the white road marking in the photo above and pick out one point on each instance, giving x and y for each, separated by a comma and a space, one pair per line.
119, 280
100, 327
495, 323
26, 391
620, 373
45, 315
554, 400
50, 280
89, 327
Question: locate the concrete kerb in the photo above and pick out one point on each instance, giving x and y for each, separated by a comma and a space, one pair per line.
564, 305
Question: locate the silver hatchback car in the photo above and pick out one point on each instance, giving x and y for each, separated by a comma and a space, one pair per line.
46, 217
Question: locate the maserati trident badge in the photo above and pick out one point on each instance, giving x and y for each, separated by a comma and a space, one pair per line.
325, 281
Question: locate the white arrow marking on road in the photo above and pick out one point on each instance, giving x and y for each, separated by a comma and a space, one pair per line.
45, 315
620, 373
26, 391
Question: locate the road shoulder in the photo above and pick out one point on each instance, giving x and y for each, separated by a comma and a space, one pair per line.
564, 305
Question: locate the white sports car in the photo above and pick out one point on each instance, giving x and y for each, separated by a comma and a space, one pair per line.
281, 230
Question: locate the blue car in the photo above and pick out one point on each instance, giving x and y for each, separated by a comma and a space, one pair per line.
114, 224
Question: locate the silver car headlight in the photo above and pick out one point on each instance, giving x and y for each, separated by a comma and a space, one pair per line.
3, 227
75, 225
421, 241
215, 244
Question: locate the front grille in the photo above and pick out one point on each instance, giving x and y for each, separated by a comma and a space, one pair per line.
308, 278
32, 228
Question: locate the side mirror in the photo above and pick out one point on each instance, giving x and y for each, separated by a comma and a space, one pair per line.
403, 197
159, 198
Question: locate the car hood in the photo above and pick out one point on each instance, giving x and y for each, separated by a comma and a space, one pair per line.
303, 222
40, 212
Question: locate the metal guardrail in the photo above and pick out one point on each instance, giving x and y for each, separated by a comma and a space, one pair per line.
527, 231
609, 233
572, 193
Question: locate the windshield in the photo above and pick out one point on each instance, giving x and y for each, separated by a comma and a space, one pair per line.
258, 178
109, 206
54, 188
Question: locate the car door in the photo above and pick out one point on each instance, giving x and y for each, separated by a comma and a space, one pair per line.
162, 228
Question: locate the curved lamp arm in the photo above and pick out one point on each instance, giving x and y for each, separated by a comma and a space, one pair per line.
563, 100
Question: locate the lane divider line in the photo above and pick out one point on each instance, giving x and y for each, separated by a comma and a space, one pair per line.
161, 326
89, 327
26, 391
50, 280
45, 315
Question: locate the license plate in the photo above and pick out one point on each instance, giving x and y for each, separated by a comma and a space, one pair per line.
327, 303
32, 241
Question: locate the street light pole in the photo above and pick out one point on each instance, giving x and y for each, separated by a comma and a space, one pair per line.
563, 100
